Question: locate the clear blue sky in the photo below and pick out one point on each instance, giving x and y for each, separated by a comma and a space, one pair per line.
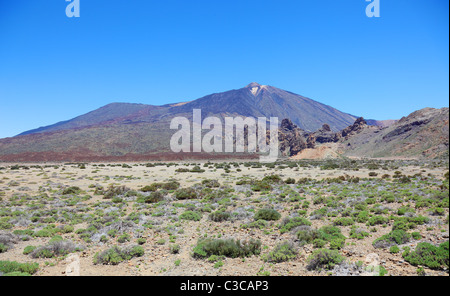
54, 68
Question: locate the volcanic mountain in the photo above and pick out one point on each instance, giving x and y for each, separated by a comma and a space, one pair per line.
121, 129
252, 101
138, 132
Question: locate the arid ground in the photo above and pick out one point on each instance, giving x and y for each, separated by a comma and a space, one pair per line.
294, 218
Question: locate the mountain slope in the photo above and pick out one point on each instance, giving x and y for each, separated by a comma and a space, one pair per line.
257, 100
115, 112
254, 101
424, 133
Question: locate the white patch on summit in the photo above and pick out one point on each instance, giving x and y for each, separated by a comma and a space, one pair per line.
255, 88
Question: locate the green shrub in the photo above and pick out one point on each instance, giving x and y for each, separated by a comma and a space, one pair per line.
151, 188
377, 220
13, 266
175, 249
197, 169
259, 186
211, 183
124, 238
337, 243
17, 273
172, 185
191, 216
358, 233
71, 190
153, 197
403, 210
267, 214
306, 235
290, 181
319, 243
220, 216
185, 193
141, 241
116, 255
395, 237
329, 233
112, 232
28, 250
261, 224
416, 235
324, 259
344, 221
226, 247
290, 223
55, 248
44, 233
363, 217
66, 229
394, 249
282, 252
273, 179
429, 255
114, 191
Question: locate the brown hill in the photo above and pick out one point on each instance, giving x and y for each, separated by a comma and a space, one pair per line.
424, 133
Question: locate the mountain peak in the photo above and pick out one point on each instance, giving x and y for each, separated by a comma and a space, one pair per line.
255, 88
253, 84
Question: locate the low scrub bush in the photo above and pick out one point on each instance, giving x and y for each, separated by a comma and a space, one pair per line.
191, 216
395, 237
282, 252
8, 267
431, 256
344, 221
55, 248
358, 233
226, 247
267, 214
153, 197
211, 183
306, 235
220, 216
290, 223
116, 255
114, 191
185, 193
324, 259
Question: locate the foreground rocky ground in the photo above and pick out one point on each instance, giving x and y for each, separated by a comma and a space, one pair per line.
340, 217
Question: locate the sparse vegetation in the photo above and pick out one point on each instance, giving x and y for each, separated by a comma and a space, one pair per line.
229, 210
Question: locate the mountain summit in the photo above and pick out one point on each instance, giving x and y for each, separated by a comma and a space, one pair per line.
256, 100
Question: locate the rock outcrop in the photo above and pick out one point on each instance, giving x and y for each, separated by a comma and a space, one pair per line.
292, 139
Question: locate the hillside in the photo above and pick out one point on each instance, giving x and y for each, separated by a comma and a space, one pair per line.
424, 133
